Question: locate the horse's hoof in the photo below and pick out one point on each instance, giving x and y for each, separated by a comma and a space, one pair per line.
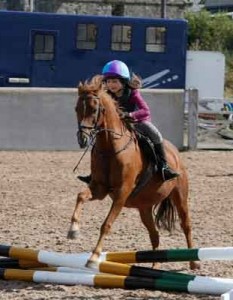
195, 265
91, 264
72, 234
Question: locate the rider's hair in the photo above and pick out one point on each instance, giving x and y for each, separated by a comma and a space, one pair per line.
135, 82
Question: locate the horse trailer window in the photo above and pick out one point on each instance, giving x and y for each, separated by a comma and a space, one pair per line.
121, 38
43, 47
86, 36
155, 39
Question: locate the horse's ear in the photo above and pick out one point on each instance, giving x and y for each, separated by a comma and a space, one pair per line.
101, 80
97, 80
80, 87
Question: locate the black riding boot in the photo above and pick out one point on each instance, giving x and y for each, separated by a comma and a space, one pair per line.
86, 179
167, 172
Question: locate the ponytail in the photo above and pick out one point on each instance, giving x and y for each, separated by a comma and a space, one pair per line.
135, 82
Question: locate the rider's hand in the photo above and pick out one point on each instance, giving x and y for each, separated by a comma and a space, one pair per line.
124, 115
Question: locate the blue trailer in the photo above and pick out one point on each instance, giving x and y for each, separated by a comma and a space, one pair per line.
58, 50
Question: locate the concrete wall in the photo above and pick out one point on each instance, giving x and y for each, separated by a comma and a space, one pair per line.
167, 110
44, 119
139, 8
136, 8
37, 119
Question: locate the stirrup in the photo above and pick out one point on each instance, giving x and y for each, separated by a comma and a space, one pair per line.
86, 179
168, 174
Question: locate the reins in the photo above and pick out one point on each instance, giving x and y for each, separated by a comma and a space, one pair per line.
81, 158
93, 138
131, 137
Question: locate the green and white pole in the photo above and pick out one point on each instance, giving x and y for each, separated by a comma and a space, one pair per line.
80, 259
173, 255
114, 268
143, 272
117, 281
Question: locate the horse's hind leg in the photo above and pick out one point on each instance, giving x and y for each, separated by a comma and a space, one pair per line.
180, 199
147, 218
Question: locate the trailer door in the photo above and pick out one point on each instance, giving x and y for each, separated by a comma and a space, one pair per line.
44, 54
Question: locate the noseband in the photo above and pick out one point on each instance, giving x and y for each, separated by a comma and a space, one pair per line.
82, 126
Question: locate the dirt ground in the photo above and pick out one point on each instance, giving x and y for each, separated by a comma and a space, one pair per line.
37, 198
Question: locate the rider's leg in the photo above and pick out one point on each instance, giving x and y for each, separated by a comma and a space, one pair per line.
155, 136
167, 172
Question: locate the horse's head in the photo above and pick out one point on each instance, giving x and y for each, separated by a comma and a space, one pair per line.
89, 109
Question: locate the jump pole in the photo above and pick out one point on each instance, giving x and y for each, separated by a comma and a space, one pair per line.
114, 268
20, 264
173, 255
80, 259
227, 296
116, 281
47, 257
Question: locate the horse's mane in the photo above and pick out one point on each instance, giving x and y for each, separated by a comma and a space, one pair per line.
96, 86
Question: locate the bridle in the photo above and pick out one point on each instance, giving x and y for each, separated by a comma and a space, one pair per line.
87, 130
95, 129
99, 109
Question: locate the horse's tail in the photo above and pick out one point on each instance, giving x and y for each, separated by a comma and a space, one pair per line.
165, 217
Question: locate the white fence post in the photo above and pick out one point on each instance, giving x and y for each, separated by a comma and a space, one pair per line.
192, 118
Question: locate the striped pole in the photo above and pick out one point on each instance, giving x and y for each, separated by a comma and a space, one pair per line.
79, 260
68, 270
47, 257
20, 264
116, 281
123, 270
112, 268
227, 296
173, 255
138, 271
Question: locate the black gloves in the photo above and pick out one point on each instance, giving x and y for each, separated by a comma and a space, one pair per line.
124, 115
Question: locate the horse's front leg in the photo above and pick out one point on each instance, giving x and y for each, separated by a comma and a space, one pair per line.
115, 210
74, 226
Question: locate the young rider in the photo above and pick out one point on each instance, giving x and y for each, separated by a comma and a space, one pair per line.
125, 90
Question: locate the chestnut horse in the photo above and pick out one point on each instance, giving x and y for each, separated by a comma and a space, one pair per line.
116, 165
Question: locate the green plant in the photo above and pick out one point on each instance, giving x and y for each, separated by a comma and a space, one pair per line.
213, 33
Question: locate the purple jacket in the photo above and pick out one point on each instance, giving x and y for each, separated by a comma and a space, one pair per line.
142, 113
